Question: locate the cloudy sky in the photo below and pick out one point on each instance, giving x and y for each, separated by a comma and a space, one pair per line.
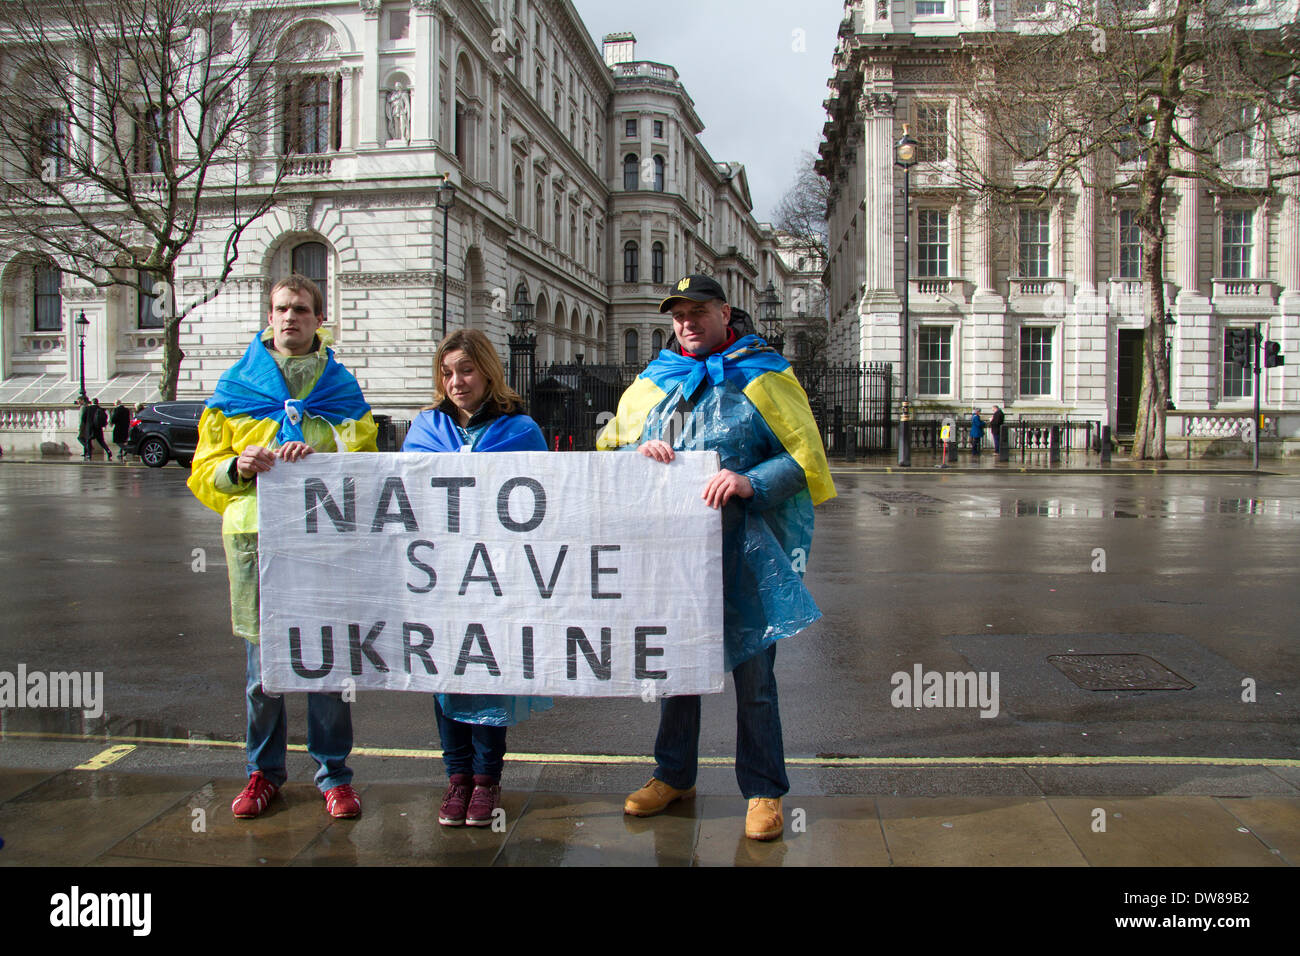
756, 69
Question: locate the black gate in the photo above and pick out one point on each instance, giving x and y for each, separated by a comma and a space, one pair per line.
850, 403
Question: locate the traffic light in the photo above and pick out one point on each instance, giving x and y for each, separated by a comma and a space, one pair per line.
1273, 356
1239, 347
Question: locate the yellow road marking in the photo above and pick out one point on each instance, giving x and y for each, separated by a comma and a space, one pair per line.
106, 757
117, 752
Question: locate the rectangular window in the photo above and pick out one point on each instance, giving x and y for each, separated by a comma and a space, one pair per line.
1035, 243
313, 114
399, 24
929, 8
1239, 134
934, 360
1237, 243
932, 132
52, 146
659, 129
147, 316
629, 129
931, 242
1130, 245
1035, 362
1237, 381
149, 134
1033, 133
47, 304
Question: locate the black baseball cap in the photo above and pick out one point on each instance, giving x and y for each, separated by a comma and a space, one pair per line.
697, 288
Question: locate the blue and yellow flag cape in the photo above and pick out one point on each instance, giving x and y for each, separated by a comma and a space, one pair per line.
760, 373
435, 431
254, 386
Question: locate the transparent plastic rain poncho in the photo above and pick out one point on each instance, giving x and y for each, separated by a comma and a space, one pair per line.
746, 405
434, 430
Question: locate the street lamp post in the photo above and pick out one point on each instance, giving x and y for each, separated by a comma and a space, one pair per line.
444, 198
1169, 355
905, 156
82, 324
769, 310
523, 346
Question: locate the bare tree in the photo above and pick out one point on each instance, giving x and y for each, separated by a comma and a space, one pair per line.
1125, 98
801, 213
127, 129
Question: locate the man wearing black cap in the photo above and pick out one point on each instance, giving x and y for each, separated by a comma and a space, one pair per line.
727, 391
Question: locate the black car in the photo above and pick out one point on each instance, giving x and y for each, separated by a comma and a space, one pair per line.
165, 431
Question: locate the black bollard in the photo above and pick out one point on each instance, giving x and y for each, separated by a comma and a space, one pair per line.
1054, 445
851, 444
1105, 444
1004, 442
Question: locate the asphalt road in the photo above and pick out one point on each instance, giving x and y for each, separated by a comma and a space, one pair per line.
989, 573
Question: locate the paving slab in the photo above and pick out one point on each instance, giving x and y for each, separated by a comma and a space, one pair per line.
1160, 831
975, 831
591, 830
292, 820
75, 816
399, 827
819, 831
1275, 820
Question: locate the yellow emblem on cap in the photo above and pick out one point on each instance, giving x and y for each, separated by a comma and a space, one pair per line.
684, 284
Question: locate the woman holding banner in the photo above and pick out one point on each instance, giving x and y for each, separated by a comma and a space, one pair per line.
474, 410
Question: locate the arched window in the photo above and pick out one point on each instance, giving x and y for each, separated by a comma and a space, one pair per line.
47, 302
659, 174
657, 262
519, 195
573, 236
630, 172
539, 213
631, 351
539, 84
656, 341
147, 315
631, 262
310, 259
557, 223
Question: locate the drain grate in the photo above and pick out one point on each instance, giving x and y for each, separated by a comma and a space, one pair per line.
1118, 672
906, 498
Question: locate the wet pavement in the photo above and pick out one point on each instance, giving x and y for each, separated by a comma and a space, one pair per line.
117, 569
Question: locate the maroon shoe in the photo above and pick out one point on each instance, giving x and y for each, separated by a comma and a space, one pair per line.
342, 802
255, 797
455, 801
483, 801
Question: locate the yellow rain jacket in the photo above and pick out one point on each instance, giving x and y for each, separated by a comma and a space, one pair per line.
217, 484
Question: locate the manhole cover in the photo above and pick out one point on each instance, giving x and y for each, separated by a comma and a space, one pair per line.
906, 498
1118, 672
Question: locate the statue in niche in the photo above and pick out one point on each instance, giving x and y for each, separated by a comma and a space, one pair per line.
397, 109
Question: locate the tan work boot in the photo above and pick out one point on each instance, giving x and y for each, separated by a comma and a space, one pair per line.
764, 820
655, 797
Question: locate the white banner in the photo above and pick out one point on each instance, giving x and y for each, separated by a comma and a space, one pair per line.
586, 575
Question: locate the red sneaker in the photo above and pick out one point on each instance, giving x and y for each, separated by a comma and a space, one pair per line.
255, 797
456, 800
483, 801
342, 802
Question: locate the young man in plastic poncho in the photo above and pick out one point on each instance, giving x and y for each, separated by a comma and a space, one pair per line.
729, 392
285, 399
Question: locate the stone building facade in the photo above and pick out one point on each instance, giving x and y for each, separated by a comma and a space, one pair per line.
1038, 309
582, 186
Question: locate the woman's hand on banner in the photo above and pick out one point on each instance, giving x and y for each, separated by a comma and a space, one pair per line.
658, 450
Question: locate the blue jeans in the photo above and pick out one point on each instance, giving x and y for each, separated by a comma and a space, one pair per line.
329, 731
760, 754
471, 748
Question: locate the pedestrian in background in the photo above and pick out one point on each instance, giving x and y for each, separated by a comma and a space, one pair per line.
98, 422
84, 427
995, 426
121, 419
976, 433
474, 410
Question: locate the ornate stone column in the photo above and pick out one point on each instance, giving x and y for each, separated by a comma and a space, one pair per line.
426, 34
